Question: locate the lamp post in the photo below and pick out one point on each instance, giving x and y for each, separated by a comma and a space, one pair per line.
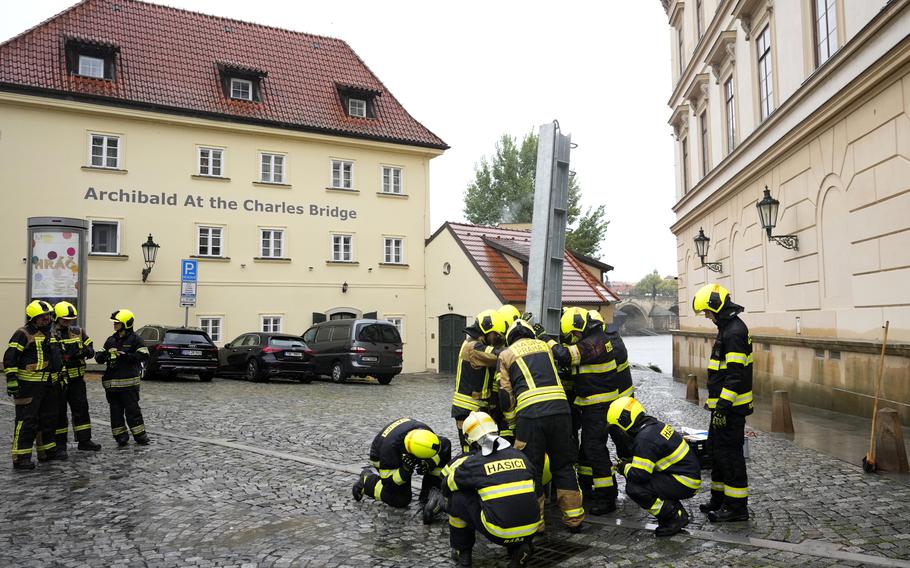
767, 215
149, 252
701, 249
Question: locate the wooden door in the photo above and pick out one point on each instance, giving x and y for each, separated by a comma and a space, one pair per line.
451, 335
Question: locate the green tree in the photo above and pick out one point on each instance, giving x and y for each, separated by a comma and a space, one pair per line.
655, 284
503, 192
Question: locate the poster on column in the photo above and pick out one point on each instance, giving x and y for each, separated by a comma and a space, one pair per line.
55, 265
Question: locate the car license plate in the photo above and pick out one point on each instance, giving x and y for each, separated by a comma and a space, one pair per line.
192, 352
293, 354
369, 359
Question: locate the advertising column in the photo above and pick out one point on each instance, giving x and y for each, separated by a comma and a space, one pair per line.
57, 269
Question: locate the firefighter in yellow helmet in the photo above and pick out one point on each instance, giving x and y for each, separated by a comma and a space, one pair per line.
32, 364
662, 471
491, 490
77, 347
510, 313
125, 354
730, 401
400, 449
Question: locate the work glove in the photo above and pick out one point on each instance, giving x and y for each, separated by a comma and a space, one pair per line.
409, 462
63, 380
436, 504
540, 332
527, 316
621, 464
12, 388
423, 467
719, 419
112, 354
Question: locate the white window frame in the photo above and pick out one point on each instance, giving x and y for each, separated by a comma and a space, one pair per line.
203, 320
399, 318
360, 104
350, 243
240, 83
765, 72
387, 180
386, 258
829, 41
341, 165
221, 240
105, 150
703, 142
270, 159
729, 102
90, 66
684, 158
211, 151
269, 251
271, 319
91, 229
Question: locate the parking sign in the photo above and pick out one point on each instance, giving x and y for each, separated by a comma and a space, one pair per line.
188, 273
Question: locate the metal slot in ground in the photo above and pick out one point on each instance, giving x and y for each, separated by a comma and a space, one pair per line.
549, 554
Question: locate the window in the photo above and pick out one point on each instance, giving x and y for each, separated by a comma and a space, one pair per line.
393, 250
271, 168
398, 322
272, 243
679, 48
209, 241
825, 30
685, 163
271, 324
342, 249
342, 174
212, 326
391, 179
242, 89
730, 112
357, 107
699, 18
104, 236
703, 141
91, 66
211, 162
104, 151
765, 81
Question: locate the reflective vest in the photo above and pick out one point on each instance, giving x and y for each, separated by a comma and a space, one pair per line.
387, 450
76, 347
658, 448
472, 384
32, 356
528, 366
122, 371
730, 368
599, 365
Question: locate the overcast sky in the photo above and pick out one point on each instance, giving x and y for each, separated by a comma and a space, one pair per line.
472, 70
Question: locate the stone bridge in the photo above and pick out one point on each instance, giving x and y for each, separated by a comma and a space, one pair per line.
646, 315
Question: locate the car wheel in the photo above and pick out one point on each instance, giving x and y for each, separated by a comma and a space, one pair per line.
338, 374
144, 372
207, 376
384, 379
252, 371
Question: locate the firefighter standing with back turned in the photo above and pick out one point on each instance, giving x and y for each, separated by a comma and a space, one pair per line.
77, 347
476, 365
124, 354
730, 401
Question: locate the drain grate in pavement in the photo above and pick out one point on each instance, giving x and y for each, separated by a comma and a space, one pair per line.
553, 553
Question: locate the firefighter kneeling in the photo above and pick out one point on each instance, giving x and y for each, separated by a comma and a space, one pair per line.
662, 472
491, 491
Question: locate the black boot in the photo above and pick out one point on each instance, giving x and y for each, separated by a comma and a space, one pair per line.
24, 464
461, 557
714, 504
357, 489
142, 439
601, 505
728, 514
672, 522
520, 555
61, 454
435, 504
122, 441
89, 446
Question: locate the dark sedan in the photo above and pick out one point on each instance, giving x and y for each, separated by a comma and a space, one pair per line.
176, 349
259, 356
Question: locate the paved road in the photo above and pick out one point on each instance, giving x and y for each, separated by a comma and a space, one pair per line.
242, 474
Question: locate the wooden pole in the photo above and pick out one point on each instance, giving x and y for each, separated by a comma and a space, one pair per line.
870, 457
692, 388
781, 419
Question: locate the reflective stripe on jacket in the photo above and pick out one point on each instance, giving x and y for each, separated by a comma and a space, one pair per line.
730, 368
527, 374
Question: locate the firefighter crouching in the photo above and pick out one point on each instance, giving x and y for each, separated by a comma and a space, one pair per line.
491, 491
32, 364
476, 365
403, 447
528, 383
124, 354
662, 471
76, 346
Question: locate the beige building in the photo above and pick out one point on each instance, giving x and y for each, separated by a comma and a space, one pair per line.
811, 100
275, 158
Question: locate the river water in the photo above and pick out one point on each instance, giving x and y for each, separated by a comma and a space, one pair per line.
651, 350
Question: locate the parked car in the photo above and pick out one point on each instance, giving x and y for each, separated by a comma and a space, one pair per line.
355, 347
175, 349
259, 356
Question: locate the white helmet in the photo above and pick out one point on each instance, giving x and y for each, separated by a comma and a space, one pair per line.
477, 425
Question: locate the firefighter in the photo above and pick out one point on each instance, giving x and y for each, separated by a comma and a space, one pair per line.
730, 401
32, 364
76, 346
491, 491
529, 384
402, 448
662, 471
476, 365
124, 354
601, 375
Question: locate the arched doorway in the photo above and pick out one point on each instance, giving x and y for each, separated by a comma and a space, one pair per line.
451, 335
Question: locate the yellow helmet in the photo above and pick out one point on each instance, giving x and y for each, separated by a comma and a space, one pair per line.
624, 412
520, 329
38, 308
123, 316
573, 319
595, 316
477, 425
710, 297
421, 443
65, 310
491, 321
509, 313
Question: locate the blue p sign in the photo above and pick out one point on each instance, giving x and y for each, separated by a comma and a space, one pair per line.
188, 270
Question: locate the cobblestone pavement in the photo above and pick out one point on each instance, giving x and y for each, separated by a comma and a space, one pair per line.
242, 474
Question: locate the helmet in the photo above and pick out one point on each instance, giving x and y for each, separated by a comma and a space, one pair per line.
624, 412
477, 425
520, 329
573, 319
710, 297
594, 315
509, 312
491, 321
123, 316
38, 308
65, 310
421, 443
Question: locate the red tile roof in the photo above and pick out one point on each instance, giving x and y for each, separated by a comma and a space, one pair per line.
485, 248
168, 61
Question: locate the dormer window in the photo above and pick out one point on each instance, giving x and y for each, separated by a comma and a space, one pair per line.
241, 89
241, 83
357, 107
91, 58
359, 102
91, 66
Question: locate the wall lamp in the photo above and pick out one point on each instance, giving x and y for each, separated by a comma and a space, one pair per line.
701, 249
450, 307
767, 214
149, 253
344, 288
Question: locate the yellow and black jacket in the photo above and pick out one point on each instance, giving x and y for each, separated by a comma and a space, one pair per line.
730, 368
122, 370
77, 347
659, 448
528, 381
599, 365
32, 356
473, 388
388, 448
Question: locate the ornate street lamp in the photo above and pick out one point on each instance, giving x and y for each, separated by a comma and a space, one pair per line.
767, 215
344, 288
701, 249
149, 252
